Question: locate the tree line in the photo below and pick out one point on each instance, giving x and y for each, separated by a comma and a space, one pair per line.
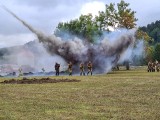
151, 33
91, 28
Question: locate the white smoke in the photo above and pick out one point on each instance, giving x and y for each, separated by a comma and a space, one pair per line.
138, 51
104, 54
47, 61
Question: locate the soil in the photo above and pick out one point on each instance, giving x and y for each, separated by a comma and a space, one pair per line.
37, 81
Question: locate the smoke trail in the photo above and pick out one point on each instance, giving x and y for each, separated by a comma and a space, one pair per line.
38, 33
24, 23
104, 55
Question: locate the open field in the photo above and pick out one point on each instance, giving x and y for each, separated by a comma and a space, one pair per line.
120, 95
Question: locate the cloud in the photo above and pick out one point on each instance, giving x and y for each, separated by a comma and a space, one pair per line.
43, 15
14, 40
146, 10
50, 4
46, 14
92, 7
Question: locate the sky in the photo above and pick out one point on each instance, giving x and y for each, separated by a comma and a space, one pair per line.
45, 15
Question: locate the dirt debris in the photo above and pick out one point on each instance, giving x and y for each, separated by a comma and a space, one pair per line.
37, 81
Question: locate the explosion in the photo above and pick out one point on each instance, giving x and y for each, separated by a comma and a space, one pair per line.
104, 55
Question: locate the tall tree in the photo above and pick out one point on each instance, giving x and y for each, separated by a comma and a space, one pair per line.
157, 52
126, 16
89, 28
108, 18
153, 30
141, 35
120, 16
149, 53
84, 27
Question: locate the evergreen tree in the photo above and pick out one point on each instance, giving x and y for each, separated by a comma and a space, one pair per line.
157, 52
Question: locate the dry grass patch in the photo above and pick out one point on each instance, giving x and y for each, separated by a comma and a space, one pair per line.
121, 95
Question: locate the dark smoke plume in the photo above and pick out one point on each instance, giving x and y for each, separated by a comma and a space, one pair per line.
103, 55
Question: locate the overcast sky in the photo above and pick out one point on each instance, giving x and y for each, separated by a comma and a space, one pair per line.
46, 14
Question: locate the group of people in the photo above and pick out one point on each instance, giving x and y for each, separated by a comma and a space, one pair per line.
89, 66
153, 66
81, 67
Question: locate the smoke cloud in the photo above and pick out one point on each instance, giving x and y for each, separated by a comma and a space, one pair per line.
104, 55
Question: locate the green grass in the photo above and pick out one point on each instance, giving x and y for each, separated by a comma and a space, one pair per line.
119, 95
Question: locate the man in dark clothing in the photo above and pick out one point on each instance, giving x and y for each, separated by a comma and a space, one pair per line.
57, 67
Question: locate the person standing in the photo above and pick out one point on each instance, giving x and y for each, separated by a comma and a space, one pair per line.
57, 67
70, 68
81, 66
89, 65
43, 70
149, 66
20, 72
158, 66
153, 66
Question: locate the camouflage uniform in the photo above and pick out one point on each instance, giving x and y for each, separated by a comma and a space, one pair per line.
153, 67
158, 66
89, 65
81, 66
70, 68
149, 66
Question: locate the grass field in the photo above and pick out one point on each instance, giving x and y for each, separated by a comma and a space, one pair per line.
120, 95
